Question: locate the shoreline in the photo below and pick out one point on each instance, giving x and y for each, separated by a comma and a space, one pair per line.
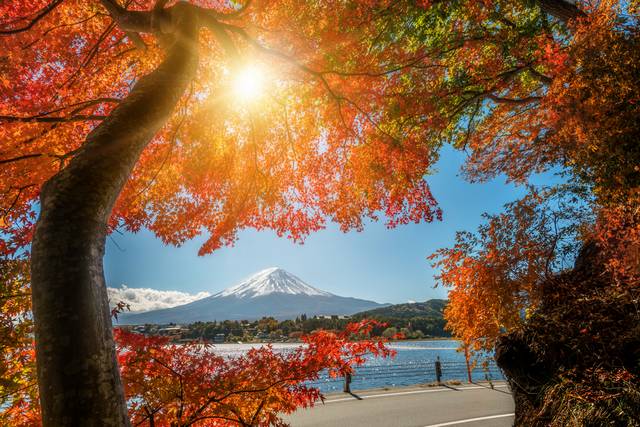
301, 342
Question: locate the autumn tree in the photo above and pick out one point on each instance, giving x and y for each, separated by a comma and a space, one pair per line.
125, 115
586, 122
494, 274
183, 384
190, 385
18, 391
564, 333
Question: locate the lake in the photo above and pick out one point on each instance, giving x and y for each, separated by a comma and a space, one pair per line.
413, 364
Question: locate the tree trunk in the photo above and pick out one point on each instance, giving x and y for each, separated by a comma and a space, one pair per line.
467, 359
78, 375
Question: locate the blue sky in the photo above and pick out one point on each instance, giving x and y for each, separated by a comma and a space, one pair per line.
378, 264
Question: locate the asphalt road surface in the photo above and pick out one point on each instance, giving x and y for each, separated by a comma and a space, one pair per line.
466, 406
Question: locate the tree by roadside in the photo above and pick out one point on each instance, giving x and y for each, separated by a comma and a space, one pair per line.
125, 112
552, 282
183, 384
125, 115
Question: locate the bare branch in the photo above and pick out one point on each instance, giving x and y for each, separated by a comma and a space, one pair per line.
15, 200
515, 101
81, 105
411, 64
17, 159
41, 14
57, 27
196, 414
39, 119
258, 410
18, 390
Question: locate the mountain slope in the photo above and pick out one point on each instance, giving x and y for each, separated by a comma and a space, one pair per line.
271, 292
431, 308
425, 317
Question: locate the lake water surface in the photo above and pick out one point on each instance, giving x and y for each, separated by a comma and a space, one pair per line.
413, 364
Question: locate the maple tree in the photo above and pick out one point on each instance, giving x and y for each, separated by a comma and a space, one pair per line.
126, 135
184, 384
124, 115
189, 385
563, 331
17, 365
585, 122
495, 274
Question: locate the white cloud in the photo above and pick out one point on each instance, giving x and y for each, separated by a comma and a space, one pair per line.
411, 301
146, 299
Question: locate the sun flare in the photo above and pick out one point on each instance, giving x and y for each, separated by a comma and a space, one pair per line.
249, 83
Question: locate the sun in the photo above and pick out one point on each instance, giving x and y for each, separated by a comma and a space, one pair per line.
248, 84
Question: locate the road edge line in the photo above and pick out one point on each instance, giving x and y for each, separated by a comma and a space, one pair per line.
471, 420
402, 393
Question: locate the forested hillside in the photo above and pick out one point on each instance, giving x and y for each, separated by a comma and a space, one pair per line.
427, 317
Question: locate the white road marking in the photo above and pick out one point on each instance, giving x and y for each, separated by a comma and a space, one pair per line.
471, 420
402, 393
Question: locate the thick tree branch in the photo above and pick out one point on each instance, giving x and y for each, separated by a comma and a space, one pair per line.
208, 19
160, 21
131, 22
542, 77
561, 9
82, 196
235, 14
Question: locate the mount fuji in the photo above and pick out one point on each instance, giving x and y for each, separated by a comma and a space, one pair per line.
272, 292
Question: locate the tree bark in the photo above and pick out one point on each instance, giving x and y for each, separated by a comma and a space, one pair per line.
78, 375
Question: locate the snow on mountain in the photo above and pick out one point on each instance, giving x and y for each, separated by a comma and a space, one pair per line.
269, 281
271, 292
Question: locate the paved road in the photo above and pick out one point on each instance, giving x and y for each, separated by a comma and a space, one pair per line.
466, 406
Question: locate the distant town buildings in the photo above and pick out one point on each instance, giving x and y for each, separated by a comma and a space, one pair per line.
268, 329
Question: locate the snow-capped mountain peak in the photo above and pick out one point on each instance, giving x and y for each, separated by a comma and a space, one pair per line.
269, 281
271, 292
